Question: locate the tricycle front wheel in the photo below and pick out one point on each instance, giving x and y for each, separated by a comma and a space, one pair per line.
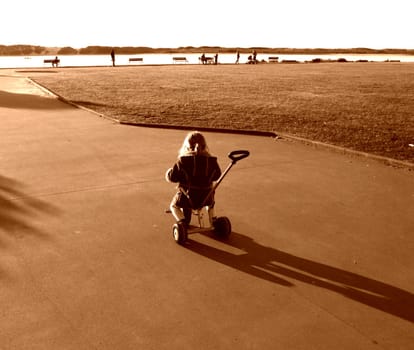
179, 233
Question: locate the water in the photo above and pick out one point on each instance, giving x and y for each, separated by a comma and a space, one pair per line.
160, 59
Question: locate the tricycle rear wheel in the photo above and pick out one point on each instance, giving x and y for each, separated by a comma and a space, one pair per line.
222, 227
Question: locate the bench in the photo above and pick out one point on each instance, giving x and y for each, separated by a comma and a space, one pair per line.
136, 59
54, 61
273, 59
290, 61
180, 59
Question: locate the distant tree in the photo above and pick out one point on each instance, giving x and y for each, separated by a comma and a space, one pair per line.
94, 50
20, 50
67, 51
130, 50
39, 49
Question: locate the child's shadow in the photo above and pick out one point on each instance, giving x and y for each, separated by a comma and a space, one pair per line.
279, 267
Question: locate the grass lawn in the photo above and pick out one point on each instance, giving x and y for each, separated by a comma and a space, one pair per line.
363, 106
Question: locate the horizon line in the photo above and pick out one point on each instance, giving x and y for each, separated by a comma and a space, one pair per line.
217, 46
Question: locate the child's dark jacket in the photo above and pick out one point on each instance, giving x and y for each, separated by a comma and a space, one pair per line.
195, 175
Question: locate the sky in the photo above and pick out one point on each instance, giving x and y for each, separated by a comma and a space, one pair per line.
374, 24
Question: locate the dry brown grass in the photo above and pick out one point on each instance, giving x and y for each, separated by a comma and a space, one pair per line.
363, 106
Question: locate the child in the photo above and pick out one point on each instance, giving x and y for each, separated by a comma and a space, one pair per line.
194, 171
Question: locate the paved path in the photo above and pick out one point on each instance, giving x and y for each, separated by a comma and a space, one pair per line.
321, 254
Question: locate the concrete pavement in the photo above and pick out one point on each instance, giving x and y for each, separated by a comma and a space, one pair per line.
320, 256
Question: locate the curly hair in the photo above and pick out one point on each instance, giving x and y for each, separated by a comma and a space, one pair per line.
194, 144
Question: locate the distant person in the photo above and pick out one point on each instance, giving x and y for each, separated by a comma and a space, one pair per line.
55, 62
203, 59
113, 57
254, 54
237, 57
216, 58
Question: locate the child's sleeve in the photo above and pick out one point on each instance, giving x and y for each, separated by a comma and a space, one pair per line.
173, 174
168, 175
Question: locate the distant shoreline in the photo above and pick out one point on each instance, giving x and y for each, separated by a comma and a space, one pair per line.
31, 50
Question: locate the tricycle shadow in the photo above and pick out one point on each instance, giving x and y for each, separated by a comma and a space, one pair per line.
284, 269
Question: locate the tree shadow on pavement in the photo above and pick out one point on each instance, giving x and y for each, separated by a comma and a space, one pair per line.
279, 267
18, 211
29, 101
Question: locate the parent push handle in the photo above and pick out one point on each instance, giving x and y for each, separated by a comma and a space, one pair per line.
237, 155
